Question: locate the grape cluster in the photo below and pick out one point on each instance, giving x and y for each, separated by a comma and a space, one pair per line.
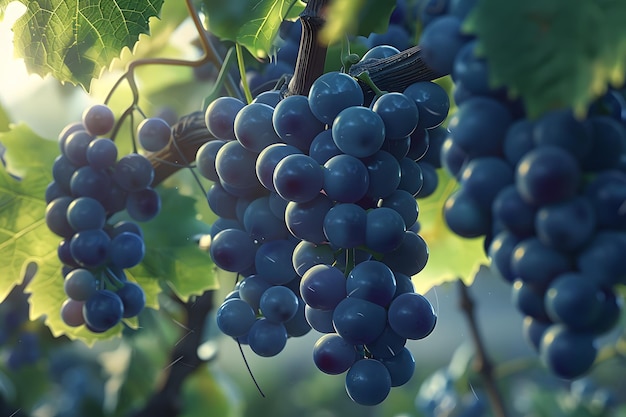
548, 195
90, 184
316, 203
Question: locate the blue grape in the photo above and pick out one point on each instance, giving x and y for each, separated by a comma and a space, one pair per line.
126, 250
133, 298
267, 161
220, 117
273, 261
465, 216
90, 248
101, 153
385, 174
253, 127
298, 178
252, 288
440, 42
412, 316
103, 310
98, 119
306, 220
399, 114
235, 317
72, 313
153, 134
235, 165
85, 213
320, 320
323, 287
359, 321
267, 338
295, 123
358, 131
205, 159
345, 225
346, 179
566, 353
333, 355
323, 147
372, 281
388, 344
567, 225
306, 255
368, 382
410, 257
133, 172
432, 103
574, 300
536, 263
261, 224
333, 92
278, 304
384, 230
400, 366
233, 250
80, 284
143, 205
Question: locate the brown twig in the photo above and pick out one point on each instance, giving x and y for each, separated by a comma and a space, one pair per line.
482, 362
184, 360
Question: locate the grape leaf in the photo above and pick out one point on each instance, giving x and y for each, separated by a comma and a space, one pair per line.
174, 256
252, 23
357, 17
450, 256
74, 40
552, 53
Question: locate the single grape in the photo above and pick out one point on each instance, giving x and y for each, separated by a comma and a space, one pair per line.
133, 298
153, 134
80, 284
333, 355
98, 119
103, 310
368, 382
235, 317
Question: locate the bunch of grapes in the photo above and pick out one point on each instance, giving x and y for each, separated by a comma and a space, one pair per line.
316, 203
90, 184
548, 195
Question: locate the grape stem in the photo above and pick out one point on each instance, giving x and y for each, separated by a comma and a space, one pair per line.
482, 363
210, 55
184, 360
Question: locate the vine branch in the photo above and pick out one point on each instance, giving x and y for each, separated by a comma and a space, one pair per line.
482, 362
184, 360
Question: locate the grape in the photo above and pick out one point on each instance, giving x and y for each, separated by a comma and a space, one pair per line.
359, 321
432, 103
267, 161
412, 316
547, 174
465, 216
133, 298
90, 248
560, 128
368, 382
298, 178
529, 298
346, 179
470, 70
233, 250
252, 288
533, 331
404, 203
384, 230
295, 123
358, 131
205, 159
153, 134
267, 338
56, 217
235, 317
603, 258
278, 304
344, 225
101, 153
372, 281
85, 213
479, 126
305, 220
253, 127
126, 250
220, 117
323, 287
80, 284
567, 225
411, 177
400, 366
72, 313
98, 119
323, 147
384, 172
320, 320
534, 262
306, 255
399, 114
333, 355
482, 179
75, 147
221, 202
298, 325
261, 224
515, 214
410, 257
67, 131
500, 252
133, 172
388, 344
88, 182
235, 165
273, 261
566, 353
440, 42
380, 51
574, 300
103, 310
333, 92
143, 205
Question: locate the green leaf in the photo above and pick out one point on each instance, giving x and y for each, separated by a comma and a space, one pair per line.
4, 120
252, 23
24, 235
74, 40
451, 257
172, 254
357, 17
552, 53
